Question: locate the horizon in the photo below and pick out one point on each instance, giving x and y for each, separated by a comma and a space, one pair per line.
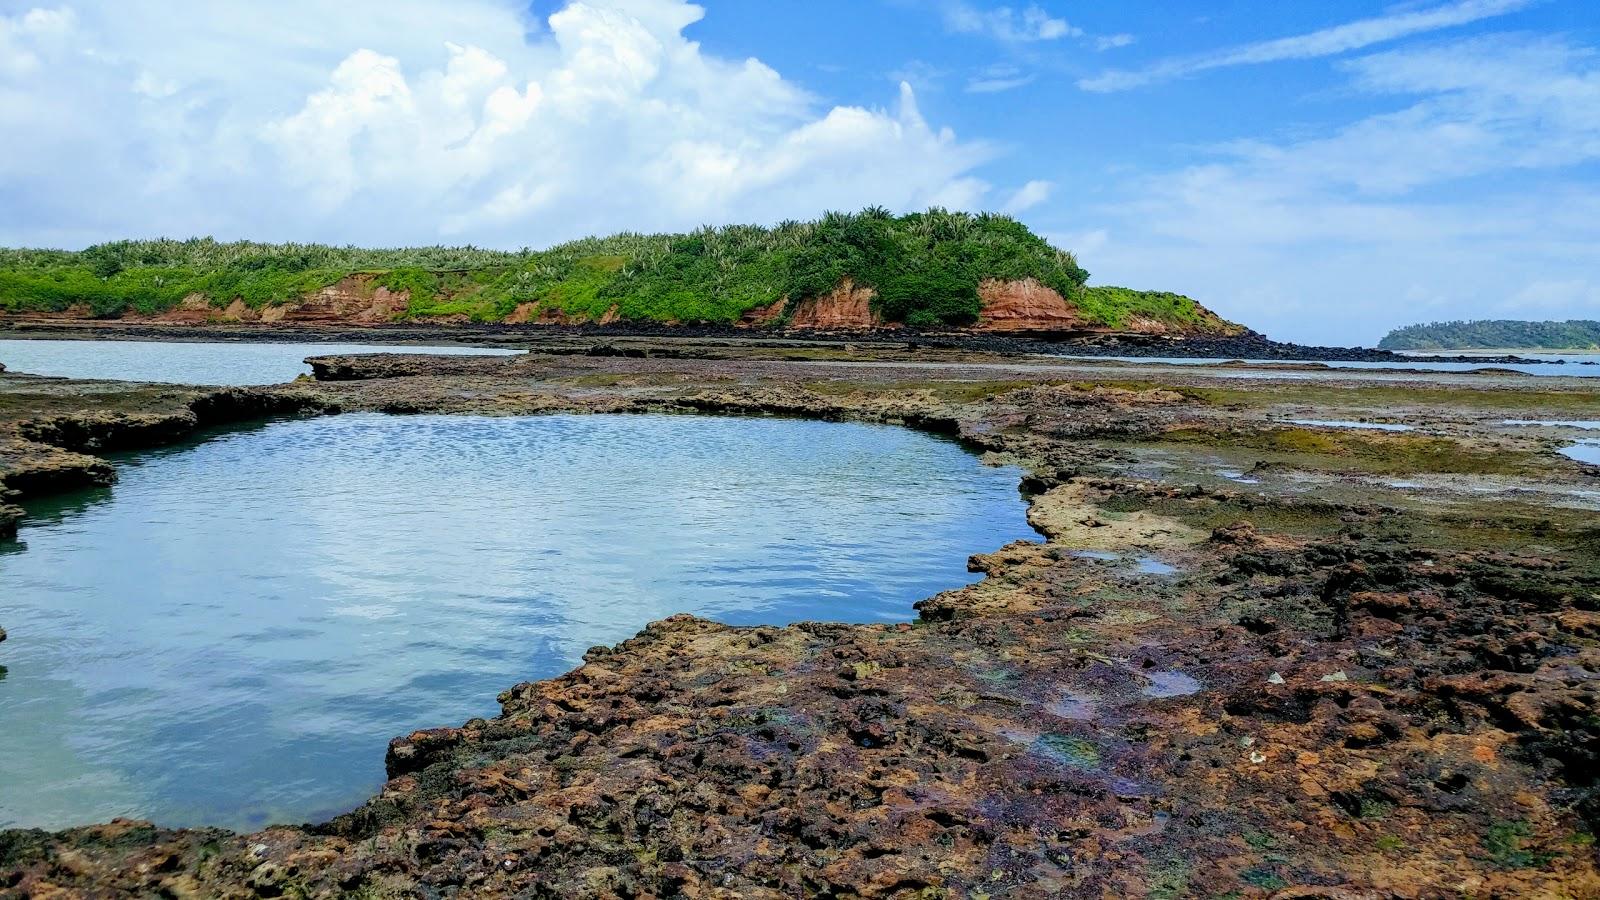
1323, 178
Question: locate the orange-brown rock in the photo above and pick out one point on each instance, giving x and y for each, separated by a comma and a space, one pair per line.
763, 315
239, 311
845, 307
193, 309
352, 300
1025, 305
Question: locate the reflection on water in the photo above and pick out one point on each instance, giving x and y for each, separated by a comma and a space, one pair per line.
232, 632
1586, 425
175, 362
1581, 365
1349, 423
1584, 452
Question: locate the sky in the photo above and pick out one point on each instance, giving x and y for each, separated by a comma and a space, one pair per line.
1322, 172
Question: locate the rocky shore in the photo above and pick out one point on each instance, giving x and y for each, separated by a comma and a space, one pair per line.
1244, 345
1372, 670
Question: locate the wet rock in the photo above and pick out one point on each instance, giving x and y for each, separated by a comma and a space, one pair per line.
1024, 738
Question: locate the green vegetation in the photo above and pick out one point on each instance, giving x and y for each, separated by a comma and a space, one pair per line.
1114, 306
924, 267
1374, 452
1496, 334
1507, 844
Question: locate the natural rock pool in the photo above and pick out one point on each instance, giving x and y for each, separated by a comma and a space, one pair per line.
231, 634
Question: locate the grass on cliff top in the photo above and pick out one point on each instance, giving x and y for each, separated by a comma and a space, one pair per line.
925, 268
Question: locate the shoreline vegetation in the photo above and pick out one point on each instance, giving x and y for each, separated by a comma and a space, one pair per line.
934, 269
1496, 335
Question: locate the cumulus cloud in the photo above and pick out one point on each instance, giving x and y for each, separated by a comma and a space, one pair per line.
464, 120
1338, 237
1325, 42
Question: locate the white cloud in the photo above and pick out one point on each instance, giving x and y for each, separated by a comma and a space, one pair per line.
1003, 23
999, 78
1027, 197
1464, 202
996, 85
1326, 42
1113, 41
431, 120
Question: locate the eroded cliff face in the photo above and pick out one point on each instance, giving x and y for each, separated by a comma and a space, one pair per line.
354, 300
1025, 305
845, 307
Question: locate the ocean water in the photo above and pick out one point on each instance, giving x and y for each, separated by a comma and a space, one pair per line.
174, 362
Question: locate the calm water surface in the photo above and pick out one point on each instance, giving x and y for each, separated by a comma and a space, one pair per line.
250, 363
231, 634
1584, 452
175, 362
1579, 365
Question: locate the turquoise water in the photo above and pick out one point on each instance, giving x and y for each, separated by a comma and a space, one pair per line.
231, 634
173, 362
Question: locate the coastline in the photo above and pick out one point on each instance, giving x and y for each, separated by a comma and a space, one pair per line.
1245, 346
1327, 616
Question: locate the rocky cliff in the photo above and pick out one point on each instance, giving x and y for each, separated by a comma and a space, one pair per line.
1019, 306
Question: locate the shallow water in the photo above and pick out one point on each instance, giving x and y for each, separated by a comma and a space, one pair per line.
1347, 423
1556, 423
1582, 365
172, 362
231, 634
1169, 684
1584, 452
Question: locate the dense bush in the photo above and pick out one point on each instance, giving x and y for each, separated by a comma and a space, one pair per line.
925, 268
1495, 334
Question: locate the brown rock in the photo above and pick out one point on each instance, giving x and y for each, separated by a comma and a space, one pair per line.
1025, 305
845, 307
763, 315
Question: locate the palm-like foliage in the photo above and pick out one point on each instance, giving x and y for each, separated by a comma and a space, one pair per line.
925, 267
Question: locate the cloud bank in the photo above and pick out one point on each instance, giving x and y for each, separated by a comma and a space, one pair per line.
1469, 200
1325, 42
430, 121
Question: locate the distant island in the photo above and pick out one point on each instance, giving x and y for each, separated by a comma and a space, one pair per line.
1495, 334
934, 269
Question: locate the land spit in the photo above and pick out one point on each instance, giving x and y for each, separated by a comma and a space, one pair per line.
1371, 672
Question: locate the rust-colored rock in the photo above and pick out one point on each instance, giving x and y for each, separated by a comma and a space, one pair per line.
845, 308
763, 315
1025, 305
192, 310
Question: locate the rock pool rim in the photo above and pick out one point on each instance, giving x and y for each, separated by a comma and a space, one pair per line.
327, 859
848, 574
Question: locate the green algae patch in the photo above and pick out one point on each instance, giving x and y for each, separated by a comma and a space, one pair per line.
947, 391
1507, 846
1073, 752
1374, 452
1386, 399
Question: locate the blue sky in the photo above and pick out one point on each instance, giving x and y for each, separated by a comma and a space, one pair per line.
1322, 172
